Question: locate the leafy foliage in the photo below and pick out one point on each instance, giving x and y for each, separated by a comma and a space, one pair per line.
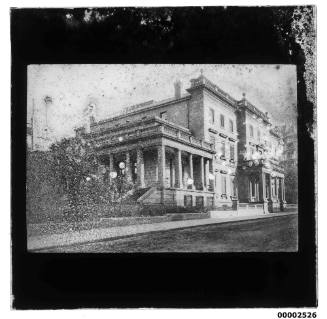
76, 167
291, 184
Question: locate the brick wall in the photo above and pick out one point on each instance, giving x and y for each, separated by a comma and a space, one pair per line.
220, 108
150, 168
196, 114
176, 113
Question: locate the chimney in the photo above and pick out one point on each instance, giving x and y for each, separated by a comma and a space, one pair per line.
178, 89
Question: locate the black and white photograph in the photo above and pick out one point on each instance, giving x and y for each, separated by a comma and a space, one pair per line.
164, 157
160, 158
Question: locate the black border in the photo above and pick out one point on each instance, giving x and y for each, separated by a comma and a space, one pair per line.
208, 35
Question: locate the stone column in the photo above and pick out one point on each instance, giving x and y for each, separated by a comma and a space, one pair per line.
262, 187
128, 169
277, 188
190, 160
270, 191
111, 164
202, 172
178, 168
207, 171
263, 195
140, 168
213, 182
282, 200
161, 165
270, 202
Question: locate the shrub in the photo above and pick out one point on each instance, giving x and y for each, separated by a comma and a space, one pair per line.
153, 210
159, 210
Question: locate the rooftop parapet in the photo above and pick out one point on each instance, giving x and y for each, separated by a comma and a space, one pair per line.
253, 109
202, 81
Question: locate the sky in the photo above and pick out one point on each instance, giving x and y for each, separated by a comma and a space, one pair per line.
72, 87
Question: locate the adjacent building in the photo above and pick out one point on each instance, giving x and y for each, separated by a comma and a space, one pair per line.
289, 161
201, 147
289, 136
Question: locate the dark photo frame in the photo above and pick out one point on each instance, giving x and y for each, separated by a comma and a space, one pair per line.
221, 35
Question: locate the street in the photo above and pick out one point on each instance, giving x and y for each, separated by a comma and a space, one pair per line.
262, 235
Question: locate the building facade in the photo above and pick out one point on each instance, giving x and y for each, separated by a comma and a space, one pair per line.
199, 148
290, 161
289, 136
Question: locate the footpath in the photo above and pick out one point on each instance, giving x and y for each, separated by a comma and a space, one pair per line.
38, 243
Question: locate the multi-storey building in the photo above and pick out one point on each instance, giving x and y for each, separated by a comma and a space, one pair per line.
289, 135
290, 160
200, 148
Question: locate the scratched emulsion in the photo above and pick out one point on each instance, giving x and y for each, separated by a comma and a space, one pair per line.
303, 27
297, 33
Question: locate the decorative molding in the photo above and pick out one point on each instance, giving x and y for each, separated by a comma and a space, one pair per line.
213, 130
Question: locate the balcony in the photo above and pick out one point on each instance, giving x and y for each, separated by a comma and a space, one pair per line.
270, 163
153, 127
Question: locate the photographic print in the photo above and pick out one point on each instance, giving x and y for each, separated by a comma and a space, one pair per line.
160, 158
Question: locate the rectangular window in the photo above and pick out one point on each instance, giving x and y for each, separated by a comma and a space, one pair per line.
222, 120
188, 201
223, 148
233, 186
251, 130
163, 115
212, 140
259, 135
253, 194
211, 116
210, 201
199, 201
232, 151
223, 185
231, 126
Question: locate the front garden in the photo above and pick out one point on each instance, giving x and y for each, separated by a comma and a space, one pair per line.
66, 191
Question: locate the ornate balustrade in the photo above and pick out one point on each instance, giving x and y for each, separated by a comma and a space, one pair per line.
151, 128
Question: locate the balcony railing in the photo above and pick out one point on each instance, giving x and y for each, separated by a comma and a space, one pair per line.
268, 163
151, 128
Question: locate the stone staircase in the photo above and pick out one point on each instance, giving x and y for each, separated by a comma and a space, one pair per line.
134, 197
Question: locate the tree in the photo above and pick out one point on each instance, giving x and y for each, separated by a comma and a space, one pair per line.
76, 167
74, 161
291, 184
